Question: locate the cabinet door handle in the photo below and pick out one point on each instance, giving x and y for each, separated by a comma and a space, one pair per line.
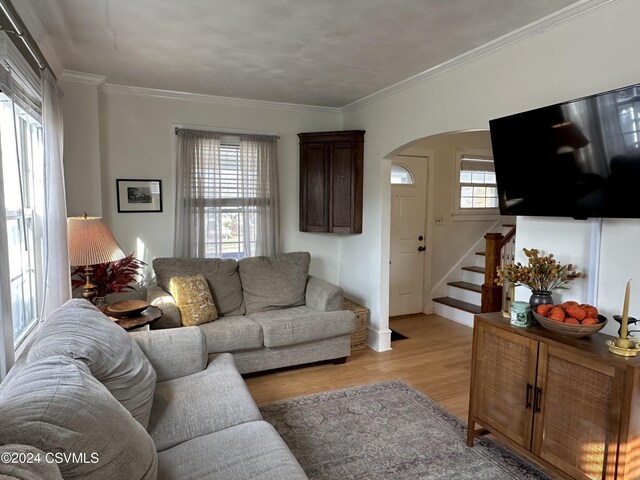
537, 400
527, 400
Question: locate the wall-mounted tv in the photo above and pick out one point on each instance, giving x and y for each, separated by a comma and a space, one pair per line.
575, 159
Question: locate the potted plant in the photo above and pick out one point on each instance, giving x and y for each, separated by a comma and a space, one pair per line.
542, 275
112, 277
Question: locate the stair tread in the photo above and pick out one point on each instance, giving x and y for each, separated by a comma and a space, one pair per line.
459, 304
474, 269
467, 286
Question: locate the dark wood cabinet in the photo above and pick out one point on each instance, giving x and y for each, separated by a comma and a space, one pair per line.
568, 404
331, 168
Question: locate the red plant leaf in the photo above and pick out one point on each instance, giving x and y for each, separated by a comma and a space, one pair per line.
112, 277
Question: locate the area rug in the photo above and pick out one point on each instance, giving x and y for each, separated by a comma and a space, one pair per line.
387, 431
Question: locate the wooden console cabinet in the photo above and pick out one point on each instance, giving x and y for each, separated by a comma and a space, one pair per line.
331, 181
568, 404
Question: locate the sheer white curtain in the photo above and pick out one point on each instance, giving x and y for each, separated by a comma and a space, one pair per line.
226, 196
56, 273
198, 152
260, 182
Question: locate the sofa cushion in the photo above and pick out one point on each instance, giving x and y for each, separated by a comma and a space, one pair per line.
231, 334
79, 330
199, 404
57, 406
193, 297
222, 275
251, 450
291, 326
270, 283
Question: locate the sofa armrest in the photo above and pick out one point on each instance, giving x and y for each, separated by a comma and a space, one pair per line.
322, 295
170, 313
175, 352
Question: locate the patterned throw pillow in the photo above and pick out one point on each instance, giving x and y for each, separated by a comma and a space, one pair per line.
194, 300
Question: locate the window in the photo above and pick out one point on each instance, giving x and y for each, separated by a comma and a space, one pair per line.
229, 195
21, 152
629, 114
231, 214
476, 184
401, 175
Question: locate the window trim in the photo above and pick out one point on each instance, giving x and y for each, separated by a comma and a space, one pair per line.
470, 214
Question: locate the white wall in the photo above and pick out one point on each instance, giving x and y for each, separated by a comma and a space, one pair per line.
587, 54
82, 145
137, 140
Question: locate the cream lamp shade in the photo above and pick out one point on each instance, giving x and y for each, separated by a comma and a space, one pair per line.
90, 243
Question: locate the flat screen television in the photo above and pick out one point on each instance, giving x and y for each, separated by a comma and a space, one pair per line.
575, 159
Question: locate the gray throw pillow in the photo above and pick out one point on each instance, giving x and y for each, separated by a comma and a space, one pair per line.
57, 406
79, 330
270, 283
221, 274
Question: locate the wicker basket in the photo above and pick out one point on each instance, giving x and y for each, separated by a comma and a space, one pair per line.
359, 337
569, 329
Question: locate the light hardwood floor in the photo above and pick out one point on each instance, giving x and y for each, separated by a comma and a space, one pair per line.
435, 359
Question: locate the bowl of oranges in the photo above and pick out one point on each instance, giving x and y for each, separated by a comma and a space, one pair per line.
571, 319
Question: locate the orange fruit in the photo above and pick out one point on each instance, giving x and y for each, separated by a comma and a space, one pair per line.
590, 321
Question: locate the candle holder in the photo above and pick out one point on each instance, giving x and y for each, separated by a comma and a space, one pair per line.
630, 321
626, 347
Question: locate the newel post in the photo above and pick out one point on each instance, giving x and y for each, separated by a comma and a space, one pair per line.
491, 291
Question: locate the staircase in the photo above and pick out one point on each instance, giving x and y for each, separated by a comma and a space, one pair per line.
464, 296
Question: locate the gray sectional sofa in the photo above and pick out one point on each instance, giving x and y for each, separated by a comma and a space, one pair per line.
87, 400
273, 313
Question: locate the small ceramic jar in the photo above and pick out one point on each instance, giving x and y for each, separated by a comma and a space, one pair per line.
520, 314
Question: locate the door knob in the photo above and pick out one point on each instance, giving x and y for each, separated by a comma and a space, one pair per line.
421, 248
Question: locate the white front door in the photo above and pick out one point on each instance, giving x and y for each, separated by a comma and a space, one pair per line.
408, 207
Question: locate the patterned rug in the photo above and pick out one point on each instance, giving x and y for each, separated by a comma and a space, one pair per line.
387, 431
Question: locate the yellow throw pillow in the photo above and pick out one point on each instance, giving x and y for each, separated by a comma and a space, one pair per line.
193, 297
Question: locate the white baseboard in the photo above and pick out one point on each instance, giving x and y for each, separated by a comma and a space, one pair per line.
380, 341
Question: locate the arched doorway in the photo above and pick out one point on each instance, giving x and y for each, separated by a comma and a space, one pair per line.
449, 231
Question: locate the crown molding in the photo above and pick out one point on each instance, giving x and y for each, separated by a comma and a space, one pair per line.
82, 77
555, 19
202, 98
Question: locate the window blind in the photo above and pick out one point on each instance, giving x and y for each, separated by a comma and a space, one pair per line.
477, 163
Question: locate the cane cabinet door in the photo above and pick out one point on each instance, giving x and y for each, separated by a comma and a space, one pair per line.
576, 418
505, 370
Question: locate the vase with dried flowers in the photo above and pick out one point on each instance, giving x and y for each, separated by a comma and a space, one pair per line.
542, 275
112, 277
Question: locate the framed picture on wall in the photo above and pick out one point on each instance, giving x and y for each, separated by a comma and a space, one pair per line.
136, 195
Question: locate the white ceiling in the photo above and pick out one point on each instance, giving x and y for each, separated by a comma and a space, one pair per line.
311, 52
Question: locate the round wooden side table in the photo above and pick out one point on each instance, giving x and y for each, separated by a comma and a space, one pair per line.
129, 322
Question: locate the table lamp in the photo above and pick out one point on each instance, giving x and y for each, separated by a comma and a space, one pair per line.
90, 243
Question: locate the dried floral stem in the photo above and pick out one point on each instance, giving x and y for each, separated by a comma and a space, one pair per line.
540, 274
